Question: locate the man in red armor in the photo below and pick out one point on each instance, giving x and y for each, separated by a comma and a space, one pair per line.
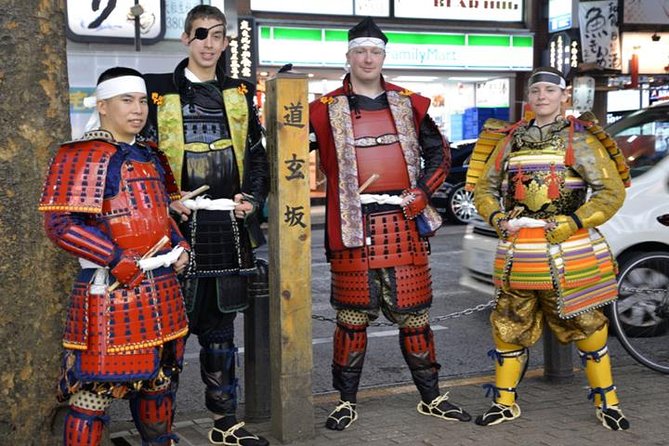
106, 201
382, 163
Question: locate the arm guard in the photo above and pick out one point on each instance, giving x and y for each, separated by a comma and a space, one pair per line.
70, 232
487, 195
593, 164
258, 166
436, 157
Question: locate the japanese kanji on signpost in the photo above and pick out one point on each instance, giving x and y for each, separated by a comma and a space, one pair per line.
290, 257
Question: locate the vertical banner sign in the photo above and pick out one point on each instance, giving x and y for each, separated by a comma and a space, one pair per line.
291, 358
600, 37
564, 53
583, 96
243, 58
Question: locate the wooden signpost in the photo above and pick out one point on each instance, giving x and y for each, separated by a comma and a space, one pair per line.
291, 356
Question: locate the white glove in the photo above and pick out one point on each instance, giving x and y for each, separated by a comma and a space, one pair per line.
525, 222
162, 260
220, 204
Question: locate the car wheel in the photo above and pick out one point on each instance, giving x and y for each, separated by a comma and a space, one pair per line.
641, 308
460, 205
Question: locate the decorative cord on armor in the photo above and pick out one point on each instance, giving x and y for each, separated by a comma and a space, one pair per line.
498, 355
596, 355
602, 394
192, 264
493, 390
235, 233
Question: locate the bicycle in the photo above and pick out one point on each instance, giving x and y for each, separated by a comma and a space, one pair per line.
640, 316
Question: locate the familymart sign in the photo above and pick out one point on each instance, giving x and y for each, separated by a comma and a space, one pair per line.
327, 48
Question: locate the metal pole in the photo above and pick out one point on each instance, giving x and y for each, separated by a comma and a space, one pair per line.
558, 366
137, 11
257, 377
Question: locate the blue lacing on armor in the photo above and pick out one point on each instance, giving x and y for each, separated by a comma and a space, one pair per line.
128, 152
229, 353
602, 394
230, 389
491, 389
163, 439
596, 355
496, 355
220, 336
158, 397
88, 417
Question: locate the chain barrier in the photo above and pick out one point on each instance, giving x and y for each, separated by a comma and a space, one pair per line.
454, 315
632, 290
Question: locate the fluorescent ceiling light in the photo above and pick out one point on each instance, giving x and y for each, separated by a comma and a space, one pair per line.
468, 79
415, 78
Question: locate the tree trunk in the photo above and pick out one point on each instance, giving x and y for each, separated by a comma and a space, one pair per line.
35, 277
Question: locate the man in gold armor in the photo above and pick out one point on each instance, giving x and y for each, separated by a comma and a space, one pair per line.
551, 263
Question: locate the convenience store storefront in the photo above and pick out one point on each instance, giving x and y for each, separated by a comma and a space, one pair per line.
458, 71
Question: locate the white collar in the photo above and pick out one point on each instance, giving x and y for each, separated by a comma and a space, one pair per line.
192, 77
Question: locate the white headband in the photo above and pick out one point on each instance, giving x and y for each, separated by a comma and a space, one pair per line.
108, 89
366, 41
114, 87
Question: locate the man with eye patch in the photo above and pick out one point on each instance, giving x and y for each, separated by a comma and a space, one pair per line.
208, 127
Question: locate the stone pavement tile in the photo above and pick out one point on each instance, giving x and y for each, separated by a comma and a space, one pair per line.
553, 415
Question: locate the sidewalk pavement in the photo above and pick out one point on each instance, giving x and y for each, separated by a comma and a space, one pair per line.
552, 415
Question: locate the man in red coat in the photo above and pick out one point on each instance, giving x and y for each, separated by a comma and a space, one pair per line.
383, 157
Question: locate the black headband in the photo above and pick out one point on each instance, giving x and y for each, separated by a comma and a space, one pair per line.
546, 76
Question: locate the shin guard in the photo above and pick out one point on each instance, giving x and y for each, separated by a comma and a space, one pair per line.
350, 346
510, 365
83, 427
417, 344
217, 369
152, 412
595, 356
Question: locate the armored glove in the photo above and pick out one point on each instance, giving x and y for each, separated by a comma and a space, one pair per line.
416, 204
495, 221
563, 228
127, 270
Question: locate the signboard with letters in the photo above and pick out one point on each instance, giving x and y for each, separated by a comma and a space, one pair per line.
243, 52
279, 45
377, 8
111, 21
561, 15
476, 10
600, 37
564, 52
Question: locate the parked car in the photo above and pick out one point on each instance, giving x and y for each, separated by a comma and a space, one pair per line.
451, 200
633, 232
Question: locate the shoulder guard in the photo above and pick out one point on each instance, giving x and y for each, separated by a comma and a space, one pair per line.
170, 182
590, 122
494, 130
76, 178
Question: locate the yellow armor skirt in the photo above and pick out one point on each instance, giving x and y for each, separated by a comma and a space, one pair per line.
563, 283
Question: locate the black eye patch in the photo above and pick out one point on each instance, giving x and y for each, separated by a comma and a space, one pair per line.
202, 33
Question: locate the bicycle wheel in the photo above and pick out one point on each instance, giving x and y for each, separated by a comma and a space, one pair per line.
640, 316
